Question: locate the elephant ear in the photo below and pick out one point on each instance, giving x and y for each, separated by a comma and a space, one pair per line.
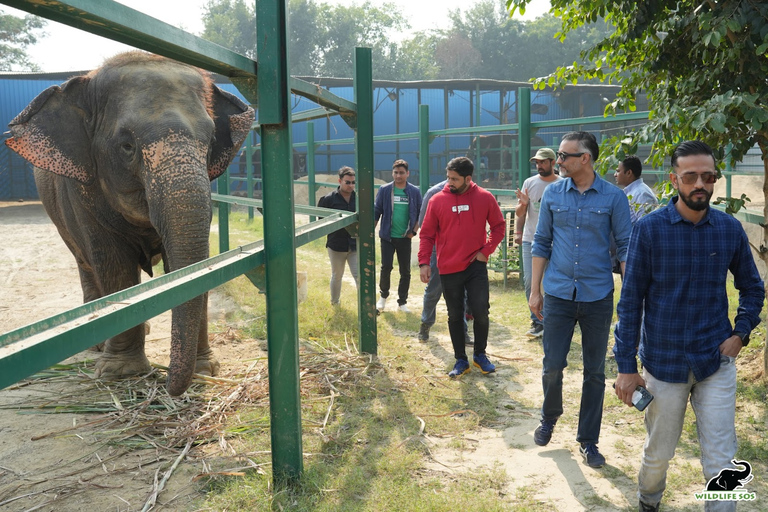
233, 120
52, 132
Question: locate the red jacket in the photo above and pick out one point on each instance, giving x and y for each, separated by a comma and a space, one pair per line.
456, 223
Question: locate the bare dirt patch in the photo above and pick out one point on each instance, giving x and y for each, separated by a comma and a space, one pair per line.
75, 461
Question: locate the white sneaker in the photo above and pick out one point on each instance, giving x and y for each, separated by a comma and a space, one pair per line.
381, 303
404, 308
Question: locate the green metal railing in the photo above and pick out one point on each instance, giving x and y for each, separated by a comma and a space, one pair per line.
271, 262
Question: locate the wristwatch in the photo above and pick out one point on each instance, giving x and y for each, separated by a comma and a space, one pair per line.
744, 337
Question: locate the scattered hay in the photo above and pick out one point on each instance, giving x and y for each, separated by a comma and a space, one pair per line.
137, 416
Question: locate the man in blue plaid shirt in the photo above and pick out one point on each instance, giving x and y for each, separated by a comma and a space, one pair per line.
676, 271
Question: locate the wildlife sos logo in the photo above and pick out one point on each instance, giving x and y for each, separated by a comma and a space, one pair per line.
728, 484
460, 208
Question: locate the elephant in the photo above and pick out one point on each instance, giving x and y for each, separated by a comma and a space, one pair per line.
729, 479
123, 159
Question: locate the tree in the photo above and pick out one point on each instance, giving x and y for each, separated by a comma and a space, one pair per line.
16, 34
519, 50
702, 64
322, 38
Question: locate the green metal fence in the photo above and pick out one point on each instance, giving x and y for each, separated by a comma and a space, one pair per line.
271, 262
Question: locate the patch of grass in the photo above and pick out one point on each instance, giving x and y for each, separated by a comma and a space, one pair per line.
369, 448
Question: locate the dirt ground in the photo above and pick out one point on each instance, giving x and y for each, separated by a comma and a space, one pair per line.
43, 467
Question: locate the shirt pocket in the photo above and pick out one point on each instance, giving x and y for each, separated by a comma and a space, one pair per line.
560, 215
600, 217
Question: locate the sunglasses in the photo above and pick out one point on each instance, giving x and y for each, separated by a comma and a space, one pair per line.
349, 182
562, 156
690, 178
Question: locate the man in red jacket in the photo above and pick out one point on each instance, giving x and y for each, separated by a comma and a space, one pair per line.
455, 223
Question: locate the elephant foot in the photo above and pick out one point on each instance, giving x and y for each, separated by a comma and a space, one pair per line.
110, 366
206, 364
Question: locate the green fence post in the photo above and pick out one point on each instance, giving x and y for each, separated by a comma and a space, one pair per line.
311, 188
279, 244
366, 249
223, 184
249, 170
524, 138
424, 148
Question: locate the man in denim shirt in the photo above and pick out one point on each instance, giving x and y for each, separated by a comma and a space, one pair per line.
577, 217
677, 267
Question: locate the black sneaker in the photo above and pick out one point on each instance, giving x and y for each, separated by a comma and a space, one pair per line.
591, 454
536, 330
644, 507
424, 332
543, 432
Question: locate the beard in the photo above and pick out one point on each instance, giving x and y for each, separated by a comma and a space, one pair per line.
696, 204
545, 174
455, 190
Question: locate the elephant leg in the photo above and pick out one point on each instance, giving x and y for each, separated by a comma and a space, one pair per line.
122, 354
90, 293
206, 363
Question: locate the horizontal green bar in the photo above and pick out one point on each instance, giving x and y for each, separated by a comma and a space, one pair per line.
475, 129
300, 208
37, 346
632, 116
322, 97
315, 113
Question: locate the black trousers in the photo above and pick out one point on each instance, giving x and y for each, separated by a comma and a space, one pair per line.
473, 280
401, 247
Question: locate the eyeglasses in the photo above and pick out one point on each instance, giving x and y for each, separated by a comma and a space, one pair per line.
349, 182
562, 156
690, 178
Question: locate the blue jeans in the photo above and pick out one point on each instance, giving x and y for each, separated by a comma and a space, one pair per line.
527, 265
401, 247
594, 318
432, 294
473, 281
714, 403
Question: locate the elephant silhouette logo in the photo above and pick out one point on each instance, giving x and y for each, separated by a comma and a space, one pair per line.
729, 479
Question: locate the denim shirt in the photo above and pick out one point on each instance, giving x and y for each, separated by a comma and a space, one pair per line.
676, 276
574, 234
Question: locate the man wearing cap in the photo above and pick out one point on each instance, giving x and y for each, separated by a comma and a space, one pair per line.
527, 215
342, 247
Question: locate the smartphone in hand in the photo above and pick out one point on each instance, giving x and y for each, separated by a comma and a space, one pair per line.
641, 397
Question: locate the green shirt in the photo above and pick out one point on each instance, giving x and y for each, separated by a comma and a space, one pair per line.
400, 213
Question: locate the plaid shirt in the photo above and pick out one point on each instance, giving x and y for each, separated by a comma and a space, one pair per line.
676, 273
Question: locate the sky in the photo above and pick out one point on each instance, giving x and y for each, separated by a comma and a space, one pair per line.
69, 49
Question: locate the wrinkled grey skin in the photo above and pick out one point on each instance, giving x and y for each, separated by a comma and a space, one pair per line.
124, 157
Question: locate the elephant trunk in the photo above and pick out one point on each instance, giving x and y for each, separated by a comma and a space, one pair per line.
178, 194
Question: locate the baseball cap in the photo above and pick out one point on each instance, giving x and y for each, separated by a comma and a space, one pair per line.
544, 154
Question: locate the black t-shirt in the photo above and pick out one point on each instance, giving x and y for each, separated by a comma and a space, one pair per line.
340, 240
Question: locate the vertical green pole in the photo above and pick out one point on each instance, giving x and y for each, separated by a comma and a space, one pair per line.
366, 249
524, 140
424, 148
224, 213
311, 188
279, 244
249, 170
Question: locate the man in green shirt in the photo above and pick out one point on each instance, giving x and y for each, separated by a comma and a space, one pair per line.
397, 205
